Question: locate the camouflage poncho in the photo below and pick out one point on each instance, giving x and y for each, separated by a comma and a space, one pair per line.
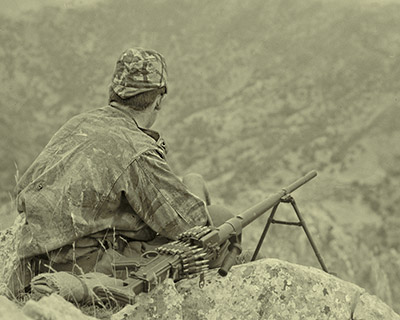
101, 171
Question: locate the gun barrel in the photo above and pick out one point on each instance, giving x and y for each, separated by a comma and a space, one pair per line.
237, 223
254, 212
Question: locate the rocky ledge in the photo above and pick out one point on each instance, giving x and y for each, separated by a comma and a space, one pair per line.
264, 289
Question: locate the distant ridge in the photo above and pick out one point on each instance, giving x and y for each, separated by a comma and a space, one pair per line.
260, 92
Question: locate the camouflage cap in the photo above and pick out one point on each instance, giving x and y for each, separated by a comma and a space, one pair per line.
139, 70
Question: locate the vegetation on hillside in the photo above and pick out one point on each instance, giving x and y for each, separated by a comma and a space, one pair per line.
260, 92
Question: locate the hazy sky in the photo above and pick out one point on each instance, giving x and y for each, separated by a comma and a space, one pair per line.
14, 7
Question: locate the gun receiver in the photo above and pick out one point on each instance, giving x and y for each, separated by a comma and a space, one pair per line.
192, 254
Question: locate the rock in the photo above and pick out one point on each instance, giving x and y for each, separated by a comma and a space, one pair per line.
274, 289
48, 308
164, 302
264, 289
10, 311
53, 307
8, 257
370, 307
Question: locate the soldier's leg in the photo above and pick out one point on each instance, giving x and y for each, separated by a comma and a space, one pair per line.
197, 186
219, 214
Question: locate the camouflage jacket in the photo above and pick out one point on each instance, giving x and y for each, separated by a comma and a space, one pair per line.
99, 172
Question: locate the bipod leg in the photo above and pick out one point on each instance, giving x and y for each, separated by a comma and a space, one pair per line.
267, 225
308, 234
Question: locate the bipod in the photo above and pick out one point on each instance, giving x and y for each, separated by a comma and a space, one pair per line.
300, 223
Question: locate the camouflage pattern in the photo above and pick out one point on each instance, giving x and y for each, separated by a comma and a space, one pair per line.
139, 70
101, 172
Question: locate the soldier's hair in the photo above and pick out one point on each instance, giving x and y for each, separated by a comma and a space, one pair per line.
138, 102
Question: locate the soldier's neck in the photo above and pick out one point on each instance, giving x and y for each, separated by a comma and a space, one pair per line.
140, 117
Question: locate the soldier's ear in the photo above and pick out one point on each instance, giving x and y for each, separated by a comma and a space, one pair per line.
158, 102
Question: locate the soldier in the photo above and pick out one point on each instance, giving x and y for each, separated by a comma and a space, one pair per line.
102, 186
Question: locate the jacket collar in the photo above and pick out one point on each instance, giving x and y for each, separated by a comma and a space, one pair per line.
153, 134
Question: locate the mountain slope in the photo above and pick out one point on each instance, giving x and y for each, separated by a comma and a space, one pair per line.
260, 92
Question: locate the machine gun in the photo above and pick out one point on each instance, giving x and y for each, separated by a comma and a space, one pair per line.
197, 250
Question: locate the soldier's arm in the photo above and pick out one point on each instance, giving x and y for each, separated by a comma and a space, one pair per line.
160, 198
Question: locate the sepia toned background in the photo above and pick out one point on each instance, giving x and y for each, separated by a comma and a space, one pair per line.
260, 92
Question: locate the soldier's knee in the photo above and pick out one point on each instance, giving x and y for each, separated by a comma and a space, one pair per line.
196, 184
219, 214
193, 179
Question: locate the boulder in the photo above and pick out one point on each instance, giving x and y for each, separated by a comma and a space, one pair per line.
164, 302
274, 289
264, 289
8, 256
53, 307
48, 308
10, 311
